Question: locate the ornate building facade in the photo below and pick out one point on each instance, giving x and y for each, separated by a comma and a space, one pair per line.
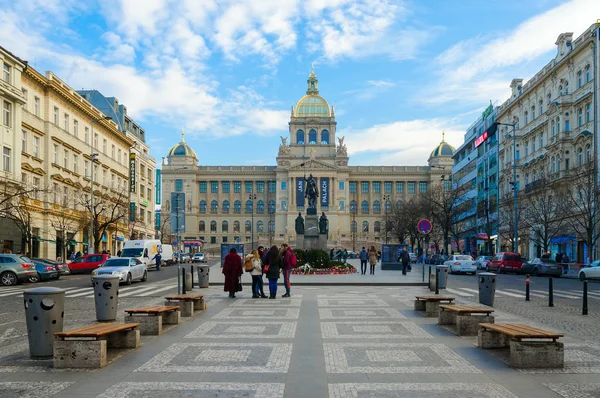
236, 203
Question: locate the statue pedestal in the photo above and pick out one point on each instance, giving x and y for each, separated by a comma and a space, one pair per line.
311, 238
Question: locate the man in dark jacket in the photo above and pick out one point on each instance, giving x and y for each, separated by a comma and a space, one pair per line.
405, 258
364, 257
158, 258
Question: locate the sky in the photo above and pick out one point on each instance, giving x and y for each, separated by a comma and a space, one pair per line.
228, 71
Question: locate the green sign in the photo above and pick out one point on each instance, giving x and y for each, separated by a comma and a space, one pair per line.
158, 186
487, 111
144, 202
132, 211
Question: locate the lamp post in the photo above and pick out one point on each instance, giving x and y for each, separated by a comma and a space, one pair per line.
93, 157
514, 184
252, 198
385, 199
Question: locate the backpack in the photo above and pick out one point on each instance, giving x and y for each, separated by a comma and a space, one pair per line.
294, 260
248, 264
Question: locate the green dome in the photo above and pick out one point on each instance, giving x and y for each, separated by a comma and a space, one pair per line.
182, 149
443, 149
312, 105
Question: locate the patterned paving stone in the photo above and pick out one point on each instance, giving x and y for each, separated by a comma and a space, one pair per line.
357, 302
372, 330
243, 330
258, 313
346, 294
571, 390
421, 390
366, 313
31, 389
15, 359
186, 390
222, 357
295, 302
579, 358
393, 358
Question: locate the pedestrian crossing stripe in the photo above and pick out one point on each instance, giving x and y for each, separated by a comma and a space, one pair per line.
79, 292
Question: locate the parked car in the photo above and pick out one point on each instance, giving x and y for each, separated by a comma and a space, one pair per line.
183, 257
435, 259
127, 268
506, 262
87, 263
15, 269
62, 268
45, 272
590, 271
461, 263
541, 266
199, 258
413, 257
483, 261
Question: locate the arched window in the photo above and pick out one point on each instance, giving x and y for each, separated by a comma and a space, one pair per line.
579, 79
399, 204
579, 156
201, 226
364, 206
249, 206
203, 206
552, 128
566, 87
557, 125
248, 226
260, 206
376, 207
588, 153
325, 137
271, 208
388, 206
365, 226
237, 206
526, 117
225, 206
353, 206
526, 178
260, 226
236, 226
300, 137
587, 73
214, 205
213, 226
353, 226
224, 226
312, 137
557, 164
377, 226
271, 226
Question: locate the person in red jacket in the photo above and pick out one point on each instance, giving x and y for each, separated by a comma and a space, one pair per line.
286, 267
232, 269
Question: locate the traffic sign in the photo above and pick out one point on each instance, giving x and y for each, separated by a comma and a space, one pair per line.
424, 226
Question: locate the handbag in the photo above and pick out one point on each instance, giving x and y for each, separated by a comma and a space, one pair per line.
239, 286
266, 269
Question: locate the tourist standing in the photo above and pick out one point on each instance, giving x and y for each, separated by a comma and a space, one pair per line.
158, 259
345, 255
372, 259
263, 260
233, 270
272, 269
364, 257
286, 267
405, 258
256, 274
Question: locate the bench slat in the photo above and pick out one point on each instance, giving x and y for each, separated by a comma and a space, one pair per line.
185, 297
521, 331
434, 298
157, 309
466, 309
97, 330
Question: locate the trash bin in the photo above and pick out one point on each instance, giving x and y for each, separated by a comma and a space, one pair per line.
188, 281
203, 275
487, 288
106, 295
442, 277
44, 314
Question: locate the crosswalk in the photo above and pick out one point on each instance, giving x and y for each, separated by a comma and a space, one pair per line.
566, 294
137, 290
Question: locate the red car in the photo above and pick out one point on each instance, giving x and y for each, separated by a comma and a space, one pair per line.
506, 262
87, 263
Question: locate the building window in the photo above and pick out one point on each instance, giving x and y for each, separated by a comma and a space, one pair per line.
411, 187
387, 187
6, 75
224, 226
248, 185
364, 187
352, 186
579, 79
149, 191
283, 185
587, 112
236, 226
260, 206
24, 141
376, 207
237, 186
178, 185
249, 206
226, 186
312, 137
271, 226
66, 159
447, 185
105, 147
353, 226
225, 206
526, 117
201, 226
552, 128
86, 136
541, 140
202, 186
541, 107
85, 168
533, 144
567, 126
112, 155
423, 187
66, 122
553, 165
324, 137
55, 116
353, 207
300, 137
203, 206
7, 112
237, 206
95, 140
26, 96
388, 206
284, 205
271, 186
579, 117
399, 186
588, 153
213, 226
580, 156
376, 187
260, 186
341, 185
271, 207
533, 112
365, 226
36, 106
214, 206
6, 159
364, 207
587, 74
248, 226
214, 186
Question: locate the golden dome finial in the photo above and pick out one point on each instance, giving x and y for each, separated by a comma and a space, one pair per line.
182, 135
443, 136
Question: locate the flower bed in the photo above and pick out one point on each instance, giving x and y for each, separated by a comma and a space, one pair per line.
308, 270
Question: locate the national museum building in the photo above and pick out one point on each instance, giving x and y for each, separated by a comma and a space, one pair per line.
223, 203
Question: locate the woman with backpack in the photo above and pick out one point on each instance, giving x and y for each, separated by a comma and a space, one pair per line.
256, 273
272, 269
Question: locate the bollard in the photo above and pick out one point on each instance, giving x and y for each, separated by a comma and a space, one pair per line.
192, 268
437, 280
527, 287
429, 278
550, 293
423, 271
585, 301
183, 291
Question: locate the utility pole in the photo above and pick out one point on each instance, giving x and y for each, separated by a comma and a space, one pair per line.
252, 198
93, 157
514, 184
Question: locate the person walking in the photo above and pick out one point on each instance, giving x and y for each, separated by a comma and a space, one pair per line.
364, 257
372, 259
331, 254
405, 258
263, 260
256, 273
233, 270
345, 255
286, 267
158, 259
272, 269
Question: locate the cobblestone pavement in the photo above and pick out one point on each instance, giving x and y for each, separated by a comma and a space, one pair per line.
363, 341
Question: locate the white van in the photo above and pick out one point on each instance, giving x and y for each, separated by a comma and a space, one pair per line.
167, 255
143, 250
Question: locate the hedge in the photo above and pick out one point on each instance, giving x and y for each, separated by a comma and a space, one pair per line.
317, 258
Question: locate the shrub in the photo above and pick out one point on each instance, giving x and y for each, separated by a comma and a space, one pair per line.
317, 258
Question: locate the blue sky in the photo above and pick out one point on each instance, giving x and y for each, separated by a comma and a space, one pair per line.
399, 72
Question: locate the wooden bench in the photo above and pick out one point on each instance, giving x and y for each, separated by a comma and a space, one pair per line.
464, 319
152, 319
190, 304
529, 347
87, 347
431, 304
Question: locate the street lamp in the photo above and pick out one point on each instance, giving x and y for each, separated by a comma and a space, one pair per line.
93, 157
385, 199
252, 198
514, 183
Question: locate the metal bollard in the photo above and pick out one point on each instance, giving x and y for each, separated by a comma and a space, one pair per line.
429, 278
192, 268
183, 291
527, 288
550, 293
423, 271
585, 296
437, 280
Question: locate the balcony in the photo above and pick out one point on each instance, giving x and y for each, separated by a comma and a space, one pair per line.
534, 185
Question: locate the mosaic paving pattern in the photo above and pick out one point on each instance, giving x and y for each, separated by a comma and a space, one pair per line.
222, 357
579, 358
372, 330
393, 358
243, 330
366, 313
31, 389
352, 302
187, 390
295, 302
576, 390
421, 390
258, 313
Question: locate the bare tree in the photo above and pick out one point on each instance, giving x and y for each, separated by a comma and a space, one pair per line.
64, 215
443, 205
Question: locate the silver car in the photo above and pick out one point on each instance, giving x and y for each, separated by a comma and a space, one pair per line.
15, 269
127, 268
